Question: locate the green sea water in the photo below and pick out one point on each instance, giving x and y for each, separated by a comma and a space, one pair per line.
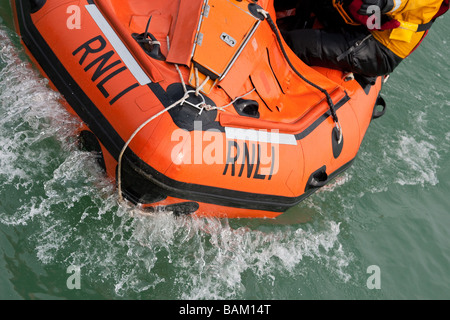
379, 231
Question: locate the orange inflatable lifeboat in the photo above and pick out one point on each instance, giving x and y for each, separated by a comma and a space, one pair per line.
198, 106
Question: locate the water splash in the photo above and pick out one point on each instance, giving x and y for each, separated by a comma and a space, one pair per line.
211, 259
421, 160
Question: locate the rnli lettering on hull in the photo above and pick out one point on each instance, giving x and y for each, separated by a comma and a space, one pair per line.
103, 66
126, 56
254, 152
252, 159
104, 62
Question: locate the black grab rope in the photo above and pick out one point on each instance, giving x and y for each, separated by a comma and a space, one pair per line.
325, 92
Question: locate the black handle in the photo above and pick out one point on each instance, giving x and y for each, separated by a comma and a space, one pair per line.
318, 183
378, 113
318, 179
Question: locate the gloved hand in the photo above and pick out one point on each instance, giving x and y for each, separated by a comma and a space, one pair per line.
384, 5
356, 5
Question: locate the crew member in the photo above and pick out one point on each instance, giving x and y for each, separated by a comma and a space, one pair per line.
366, 37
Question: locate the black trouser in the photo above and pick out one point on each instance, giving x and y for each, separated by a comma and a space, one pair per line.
341, 46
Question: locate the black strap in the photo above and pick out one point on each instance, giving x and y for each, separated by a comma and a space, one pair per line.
352, 48
425, 26
325, 92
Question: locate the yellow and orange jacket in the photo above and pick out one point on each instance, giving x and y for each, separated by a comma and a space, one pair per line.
410, 13
412, 19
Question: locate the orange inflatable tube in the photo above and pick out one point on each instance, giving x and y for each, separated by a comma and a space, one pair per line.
197, 106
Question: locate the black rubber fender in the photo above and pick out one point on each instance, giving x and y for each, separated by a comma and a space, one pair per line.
376, 112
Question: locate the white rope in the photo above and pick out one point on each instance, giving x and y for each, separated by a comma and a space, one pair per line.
200, 87
151, 42
201, 106
177, 68
235, 99
263, 12
337, 124
222, 108
119, 168
196, 77
179, 102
